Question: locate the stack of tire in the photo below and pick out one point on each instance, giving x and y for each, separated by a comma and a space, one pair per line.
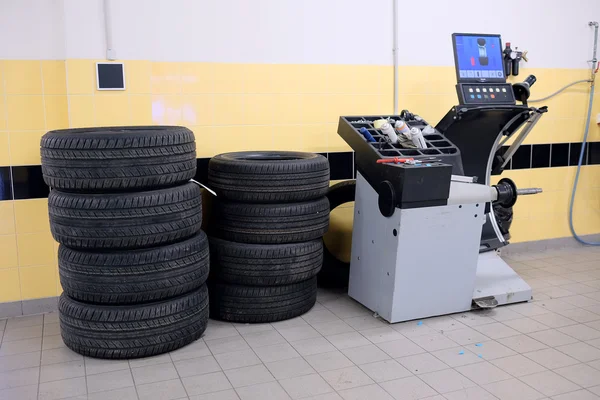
132, 260
269, 218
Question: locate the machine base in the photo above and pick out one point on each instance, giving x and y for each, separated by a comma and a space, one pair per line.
495, 278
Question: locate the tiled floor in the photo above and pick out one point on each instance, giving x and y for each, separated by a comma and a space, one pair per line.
546, 349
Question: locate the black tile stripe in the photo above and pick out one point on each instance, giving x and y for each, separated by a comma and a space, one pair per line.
25, 182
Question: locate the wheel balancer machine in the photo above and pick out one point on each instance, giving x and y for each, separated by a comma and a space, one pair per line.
426, 231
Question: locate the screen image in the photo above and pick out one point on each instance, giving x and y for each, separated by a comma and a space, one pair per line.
479, 57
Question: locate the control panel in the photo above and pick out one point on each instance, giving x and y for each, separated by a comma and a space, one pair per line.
485, 93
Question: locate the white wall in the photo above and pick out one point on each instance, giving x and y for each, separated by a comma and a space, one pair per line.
32, 29
291, 31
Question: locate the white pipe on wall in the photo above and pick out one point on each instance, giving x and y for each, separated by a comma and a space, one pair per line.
110, 52
395, 53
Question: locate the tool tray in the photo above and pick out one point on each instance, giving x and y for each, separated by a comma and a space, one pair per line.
438, 148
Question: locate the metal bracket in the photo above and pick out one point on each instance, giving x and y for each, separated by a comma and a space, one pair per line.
529, 124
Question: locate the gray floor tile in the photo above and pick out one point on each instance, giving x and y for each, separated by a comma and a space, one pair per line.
578, 395
318, 316
413, 329
556, 305
387, 370
226, 345
581, 332
400, 348
128, 393
247, 376
409, 388
365, 322
266, 338
457, 356
197, 366
551, 358
513, 389
553, 338
97, 366
22, 393
19, 377
483, 373
326, 396
365, 354
522, 343
433, 342
496, 331
294, 333
328, 361
20, 361
24, 322
29, 332
276, 352
244, 329
448, 380
312, 346
56, 372
289, 323
347, 340
109, 381
219, 330
580, 315
237, 359
549, 383
581, 351
422, 363
465, 336
207, 383
581, 374
381, 335
165, 390
193, 350
580, 301
346, 378
370, 392
444, 323
501, 314
154, 373
20, 346
52, 342
528, 309
62, 389
51, 329
518, 365
59, 355
229, 394
490, 350
473, 393
290, 368
554, 320
263, 391
51, 318
332, 328
305, 386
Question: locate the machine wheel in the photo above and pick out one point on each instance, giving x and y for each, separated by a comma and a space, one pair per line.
271, 223
265, 265
269, 176
125, 220
134, 276
133, 331
118, 158
335, 272
504, 217
250, 304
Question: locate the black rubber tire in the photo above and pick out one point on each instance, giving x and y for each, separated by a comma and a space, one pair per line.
109, 159
253, 304
335, 272
134, 276
125, 220
271, 223
265, 265
504, 217
133, 331
269, 176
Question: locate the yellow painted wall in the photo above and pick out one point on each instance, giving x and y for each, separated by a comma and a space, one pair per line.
253, 106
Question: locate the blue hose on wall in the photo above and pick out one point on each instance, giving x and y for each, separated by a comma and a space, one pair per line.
581, 154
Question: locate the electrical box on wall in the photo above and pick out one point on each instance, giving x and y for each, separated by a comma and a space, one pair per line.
110, 76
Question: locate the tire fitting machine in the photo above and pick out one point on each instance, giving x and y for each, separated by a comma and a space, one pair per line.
425, 238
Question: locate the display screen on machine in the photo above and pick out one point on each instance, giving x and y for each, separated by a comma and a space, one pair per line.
478, 58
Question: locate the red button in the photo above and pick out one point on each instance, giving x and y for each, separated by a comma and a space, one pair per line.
492, 96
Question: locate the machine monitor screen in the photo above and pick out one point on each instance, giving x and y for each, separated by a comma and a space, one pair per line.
478, 58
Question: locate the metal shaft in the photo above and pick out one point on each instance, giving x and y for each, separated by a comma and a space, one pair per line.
528, 191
